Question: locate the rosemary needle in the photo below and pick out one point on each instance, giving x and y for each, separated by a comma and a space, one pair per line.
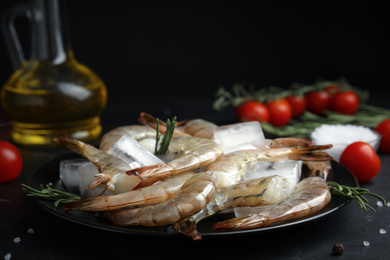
50, 194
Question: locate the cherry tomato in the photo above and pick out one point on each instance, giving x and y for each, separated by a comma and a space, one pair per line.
10, 162
252, 111
346, 102
298, 105
362, 160
280, 112
318, 101
384, 129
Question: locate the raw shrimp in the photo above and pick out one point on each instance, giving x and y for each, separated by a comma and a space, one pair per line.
263, 191
309, 196
112, 170
192, 197
196, 152
231, 167
156, 193
137, 132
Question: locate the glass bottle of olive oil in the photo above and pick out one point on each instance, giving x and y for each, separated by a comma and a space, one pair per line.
51, 93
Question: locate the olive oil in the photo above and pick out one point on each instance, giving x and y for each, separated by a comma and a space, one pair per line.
47, 100
51, 93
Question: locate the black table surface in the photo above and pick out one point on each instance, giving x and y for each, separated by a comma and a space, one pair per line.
57, 238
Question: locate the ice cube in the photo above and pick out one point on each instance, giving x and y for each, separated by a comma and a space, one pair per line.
289, 169
69, 173
240, 136
148, 143
130, 151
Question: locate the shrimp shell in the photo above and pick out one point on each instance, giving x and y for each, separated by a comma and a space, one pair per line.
196, 153
159, 192
192, 197
309, 196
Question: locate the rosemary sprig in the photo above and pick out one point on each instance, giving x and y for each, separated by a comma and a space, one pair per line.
357, 194
162, 147
49, 193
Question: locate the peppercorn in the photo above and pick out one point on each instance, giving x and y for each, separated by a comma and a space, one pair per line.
338, 249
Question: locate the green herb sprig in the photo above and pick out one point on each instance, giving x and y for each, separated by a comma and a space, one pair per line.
357, 194
162, 147
49, 193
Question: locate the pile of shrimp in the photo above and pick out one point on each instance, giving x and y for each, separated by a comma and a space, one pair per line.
187, 189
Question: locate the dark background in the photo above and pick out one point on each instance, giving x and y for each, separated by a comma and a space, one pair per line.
146, 50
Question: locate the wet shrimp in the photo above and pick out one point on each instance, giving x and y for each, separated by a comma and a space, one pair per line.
112, 170
309, 196
263, 191
194, 195
157, 193
193, 153
137, 132
231, 167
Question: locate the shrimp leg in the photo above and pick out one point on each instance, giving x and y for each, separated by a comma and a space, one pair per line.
192, 197
309, 196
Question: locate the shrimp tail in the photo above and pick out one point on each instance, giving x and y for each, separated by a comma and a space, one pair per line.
290, 142
311, 153
316, 156
72, 144
188, 228
250, 221
154, 170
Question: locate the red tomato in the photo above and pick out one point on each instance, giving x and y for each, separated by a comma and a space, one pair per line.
346, 102
361, 159
252, 111
280, 112
298, 105
384, 129
318, 101
10, 162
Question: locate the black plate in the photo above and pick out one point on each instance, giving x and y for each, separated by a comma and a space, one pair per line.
49, 173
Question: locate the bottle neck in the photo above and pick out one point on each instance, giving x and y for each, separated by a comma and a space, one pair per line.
50, 39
